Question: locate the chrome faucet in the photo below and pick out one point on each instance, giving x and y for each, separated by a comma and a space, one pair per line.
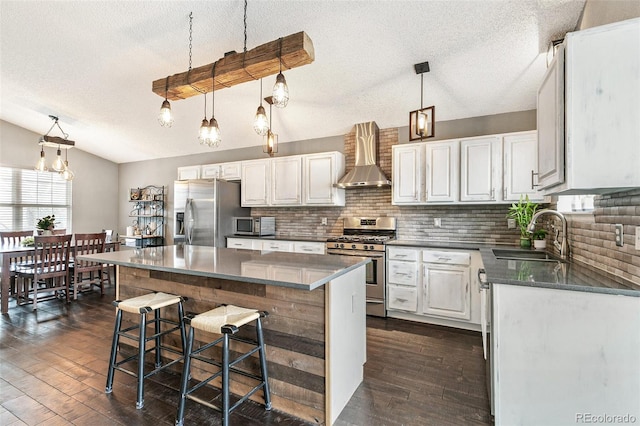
564, 246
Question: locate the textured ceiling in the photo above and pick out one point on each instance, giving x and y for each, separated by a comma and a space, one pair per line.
92, 64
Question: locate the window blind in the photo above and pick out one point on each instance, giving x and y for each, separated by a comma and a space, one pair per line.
27, 195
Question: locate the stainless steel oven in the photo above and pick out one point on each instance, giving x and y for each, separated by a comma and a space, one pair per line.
365, 237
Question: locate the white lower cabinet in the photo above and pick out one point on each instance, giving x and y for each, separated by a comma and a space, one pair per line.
309, 247
437, 286
277, 245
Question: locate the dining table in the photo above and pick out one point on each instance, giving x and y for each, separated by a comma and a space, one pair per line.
12, 251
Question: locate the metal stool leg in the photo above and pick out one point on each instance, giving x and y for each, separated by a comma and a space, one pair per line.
184, 381
263, 366
114, 352
157, 340
141, 350
183, 336
225, 380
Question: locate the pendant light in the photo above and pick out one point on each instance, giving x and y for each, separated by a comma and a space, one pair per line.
280, 89
422, 121
260, 124
58, 164
66, 173
166, 117
270, 140
203, 134
214, 130
41, 166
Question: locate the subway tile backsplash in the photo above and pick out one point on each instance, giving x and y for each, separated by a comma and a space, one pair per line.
590, 236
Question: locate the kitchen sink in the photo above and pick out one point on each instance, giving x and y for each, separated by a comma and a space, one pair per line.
536, 256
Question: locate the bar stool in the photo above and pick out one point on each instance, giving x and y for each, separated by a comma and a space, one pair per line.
225, 320
143, 305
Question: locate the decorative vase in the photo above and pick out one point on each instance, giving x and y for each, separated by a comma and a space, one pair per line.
47, 232
525, 242
540, 244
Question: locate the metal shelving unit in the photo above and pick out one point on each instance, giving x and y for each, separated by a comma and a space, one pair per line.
148, 217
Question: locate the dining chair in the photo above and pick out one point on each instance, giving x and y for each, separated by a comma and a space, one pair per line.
109, 267
50, 273
87, 244
14, 238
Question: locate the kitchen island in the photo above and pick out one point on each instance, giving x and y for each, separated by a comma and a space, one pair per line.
315, 331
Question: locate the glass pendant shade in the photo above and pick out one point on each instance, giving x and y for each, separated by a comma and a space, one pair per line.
280, 92
67, 174
165, 117
214, 133
260, 124
58, 164
203, 135
41, 166
421, 123
270, 145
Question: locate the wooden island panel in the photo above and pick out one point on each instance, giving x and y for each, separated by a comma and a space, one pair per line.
294, 332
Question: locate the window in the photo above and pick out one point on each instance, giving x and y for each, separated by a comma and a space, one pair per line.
28, 195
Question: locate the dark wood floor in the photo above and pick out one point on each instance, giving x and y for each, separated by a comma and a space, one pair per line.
53, 364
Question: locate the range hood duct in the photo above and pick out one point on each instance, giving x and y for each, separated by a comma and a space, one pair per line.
366, 172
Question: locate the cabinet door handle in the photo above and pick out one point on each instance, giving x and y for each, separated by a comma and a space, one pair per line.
493, 192
532, 175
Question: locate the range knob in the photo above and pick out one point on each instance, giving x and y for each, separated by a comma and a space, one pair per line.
371, 247
353, 246
341, 245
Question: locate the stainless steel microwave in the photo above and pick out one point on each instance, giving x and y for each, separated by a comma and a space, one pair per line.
259, 226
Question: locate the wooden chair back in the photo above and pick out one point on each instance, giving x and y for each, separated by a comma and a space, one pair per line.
14, 237
88, 244
59, 232
52, 256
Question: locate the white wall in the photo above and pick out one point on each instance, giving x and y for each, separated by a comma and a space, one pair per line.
601, 12
95, 187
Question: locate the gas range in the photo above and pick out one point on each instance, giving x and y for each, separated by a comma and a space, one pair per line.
368, 234
367, 237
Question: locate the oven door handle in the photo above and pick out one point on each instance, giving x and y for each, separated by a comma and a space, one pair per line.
482, 279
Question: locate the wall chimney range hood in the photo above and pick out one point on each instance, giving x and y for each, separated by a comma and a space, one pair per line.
366, 172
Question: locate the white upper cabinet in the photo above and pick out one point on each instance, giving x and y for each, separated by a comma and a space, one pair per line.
480, 169
188, 172
210, 171
230, 171
520, 166
550, 122
443, 171
256, 183
292, 181
286, 181
321, 172
602, 106
408, 163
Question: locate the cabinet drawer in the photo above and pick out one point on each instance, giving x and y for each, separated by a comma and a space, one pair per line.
447, 257
404, 273
396, 253
308, 247
239, 243
277, 245
402, 298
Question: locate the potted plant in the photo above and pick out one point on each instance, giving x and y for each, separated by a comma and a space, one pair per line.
46, 225
539, 241
522, 212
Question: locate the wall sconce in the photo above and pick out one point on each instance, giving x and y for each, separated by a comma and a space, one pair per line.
422, 121
270, 145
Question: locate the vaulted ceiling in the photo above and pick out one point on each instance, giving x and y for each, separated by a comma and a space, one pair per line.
92, 64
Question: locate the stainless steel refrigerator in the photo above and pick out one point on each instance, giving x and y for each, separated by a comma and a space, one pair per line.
203, 211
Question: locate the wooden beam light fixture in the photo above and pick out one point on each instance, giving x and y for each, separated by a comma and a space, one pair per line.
292, 51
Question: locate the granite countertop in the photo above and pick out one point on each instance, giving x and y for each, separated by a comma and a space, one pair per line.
573, 276
555, 275
294, 270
